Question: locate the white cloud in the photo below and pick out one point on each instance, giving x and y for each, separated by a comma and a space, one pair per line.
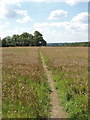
3, 12
81, 18
75, 30
10, 1
74, 2
77, 27
10, 32
21, 12
24, 20
8, 10
58, 14
3, 28
69, 26
71, 33
70, 2
5, 25
12, 10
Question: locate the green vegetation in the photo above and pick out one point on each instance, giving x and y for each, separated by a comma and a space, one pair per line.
25, 88
69, 68
24, 39
76, 44
26, 92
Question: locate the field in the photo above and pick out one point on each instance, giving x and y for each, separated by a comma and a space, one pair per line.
25, 88
69, 68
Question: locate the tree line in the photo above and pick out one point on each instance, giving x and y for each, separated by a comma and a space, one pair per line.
25, 39
76, 44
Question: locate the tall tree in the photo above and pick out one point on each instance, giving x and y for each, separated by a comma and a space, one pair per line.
25, 39
38, 38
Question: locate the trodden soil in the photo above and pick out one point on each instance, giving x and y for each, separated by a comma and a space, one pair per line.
56, 111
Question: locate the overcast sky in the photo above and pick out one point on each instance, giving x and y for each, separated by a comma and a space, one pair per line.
57, 21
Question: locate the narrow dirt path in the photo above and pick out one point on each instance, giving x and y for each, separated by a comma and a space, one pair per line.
57, 111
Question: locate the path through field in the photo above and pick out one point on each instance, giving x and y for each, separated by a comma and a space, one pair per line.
57, 111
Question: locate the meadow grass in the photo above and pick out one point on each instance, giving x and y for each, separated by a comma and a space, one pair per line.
69, 68
25, 90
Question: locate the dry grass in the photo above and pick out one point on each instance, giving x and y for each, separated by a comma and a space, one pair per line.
25, 88
69, 66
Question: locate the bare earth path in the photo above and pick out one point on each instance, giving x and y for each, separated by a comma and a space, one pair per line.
57, 111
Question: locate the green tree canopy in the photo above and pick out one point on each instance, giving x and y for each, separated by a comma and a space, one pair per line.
25, 39
38, 38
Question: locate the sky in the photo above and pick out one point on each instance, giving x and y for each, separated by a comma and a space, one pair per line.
58, 21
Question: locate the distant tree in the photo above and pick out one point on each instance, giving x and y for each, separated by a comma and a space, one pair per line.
25, 39
25, 35
37, 34
31, 39
7, 41
4, 43
38, 38
0, 42
15, 40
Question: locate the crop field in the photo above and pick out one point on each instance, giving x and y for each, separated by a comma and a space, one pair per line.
69, 68
25, 88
